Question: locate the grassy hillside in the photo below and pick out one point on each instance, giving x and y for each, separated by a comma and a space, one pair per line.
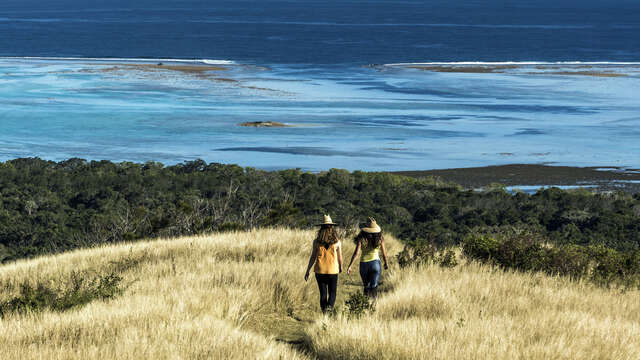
242, 295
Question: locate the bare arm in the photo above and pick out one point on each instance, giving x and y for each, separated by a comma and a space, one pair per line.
340, 257
312, 260
384, 254
356, 252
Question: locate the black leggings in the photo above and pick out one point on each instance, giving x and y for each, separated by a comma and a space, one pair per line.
328, 285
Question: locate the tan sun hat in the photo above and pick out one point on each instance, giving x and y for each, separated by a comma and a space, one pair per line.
327, 221
371, 226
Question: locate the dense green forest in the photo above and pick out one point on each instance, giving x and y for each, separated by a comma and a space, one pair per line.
48, 206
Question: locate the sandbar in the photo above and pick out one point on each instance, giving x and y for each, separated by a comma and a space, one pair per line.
200, 71
487, 69
581, 73
465, 69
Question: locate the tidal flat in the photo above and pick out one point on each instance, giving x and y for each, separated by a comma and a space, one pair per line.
380, 118
531, 177
567, 69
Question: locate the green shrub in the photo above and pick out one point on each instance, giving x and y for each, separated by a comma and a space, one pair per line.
480, 247
230, 227
520, 252
572, 261
424, 253
357, 305
80, 291
524, 250
609, 265
416, 254
447, 258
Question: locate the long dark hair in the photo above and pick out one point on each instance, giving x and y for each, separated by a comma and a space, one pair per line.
369, 240
326, 236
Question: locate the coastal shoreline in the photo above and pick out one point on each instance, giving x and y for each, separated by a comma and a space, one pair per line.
533, 68
599, 178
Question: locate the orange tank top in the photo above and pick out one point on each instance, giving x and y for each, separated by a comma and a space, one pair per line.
327, 259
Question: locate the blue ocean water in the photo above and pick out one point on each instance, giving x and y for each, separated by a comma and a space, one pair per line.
74, 82
324, 31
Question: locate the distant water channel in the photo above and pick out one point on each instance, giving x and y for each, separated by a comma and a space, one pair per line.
382, 117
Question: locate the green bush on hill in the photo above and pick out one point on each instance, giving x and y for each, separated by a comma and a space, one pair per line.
518, 249
82, 289
426, 253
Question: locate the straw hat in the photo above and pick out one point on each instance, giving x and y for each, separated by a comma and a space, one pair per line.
371, 226
327, 221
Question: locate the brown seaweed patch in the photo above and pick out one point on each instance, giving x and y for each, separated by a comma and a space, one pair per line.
260, 88
226, 80
200, 71
160, 66
263, 124
580, 73
583, 70
466, 69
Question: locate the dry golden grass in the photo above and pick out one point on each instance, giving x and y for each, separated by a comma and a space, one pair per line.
211, 297
235, 295
476, 312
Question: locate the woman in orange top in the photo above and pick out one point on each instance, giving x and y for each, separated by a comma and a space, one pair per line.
326, 254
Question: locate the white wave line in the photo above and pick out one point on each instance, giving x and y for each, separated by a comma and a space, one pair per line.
491, 63
141, 60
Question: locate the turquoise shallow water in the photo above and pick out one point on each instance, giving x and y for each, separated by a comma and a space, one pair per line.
368, 118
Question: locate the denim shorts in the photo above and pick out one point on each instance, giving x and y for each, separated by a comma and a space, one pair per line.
370, 273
